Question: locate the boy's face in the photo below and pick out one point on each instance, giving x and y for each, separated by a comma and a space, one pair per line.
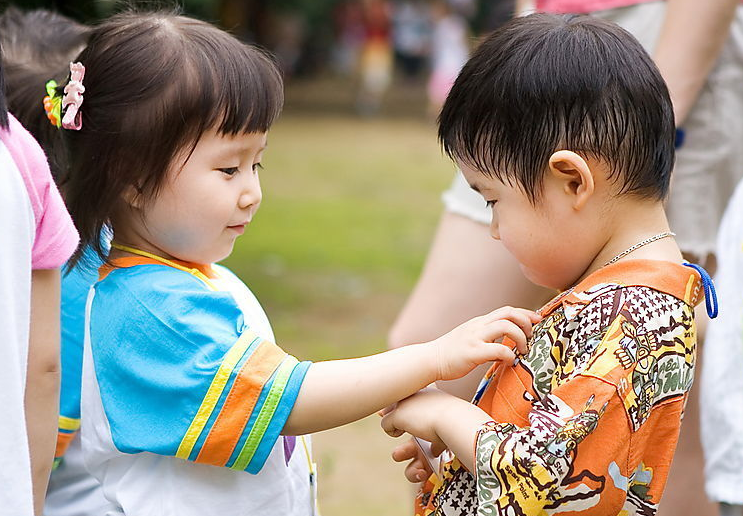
552, 241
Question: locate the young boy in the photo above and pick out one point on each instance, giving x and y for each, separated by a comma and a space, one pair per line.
565, 127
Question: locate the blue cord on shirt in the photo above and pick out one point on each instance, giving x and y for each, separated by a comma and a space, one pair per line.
710, 295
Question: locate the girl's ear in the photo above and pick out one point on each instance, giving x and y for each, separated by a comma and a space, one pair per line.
574, 177
133, 197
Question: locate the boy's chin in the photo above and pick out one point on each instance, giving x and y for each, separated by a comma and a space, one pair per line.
547, 279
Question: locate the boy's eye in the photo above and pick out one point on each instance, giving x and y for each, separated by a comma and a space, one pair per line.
230, 171
490, 204
257, 167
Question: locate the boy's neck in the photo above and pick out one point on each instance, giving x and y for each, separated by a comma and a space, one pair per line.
633, 221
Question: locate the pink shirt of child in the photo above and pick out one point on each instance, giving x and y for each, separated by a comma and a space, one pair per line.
56, 238
37, 233
582, 6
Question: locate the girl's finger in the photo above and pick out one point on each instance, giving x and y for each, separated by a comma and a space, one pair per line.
498, 352
497, 330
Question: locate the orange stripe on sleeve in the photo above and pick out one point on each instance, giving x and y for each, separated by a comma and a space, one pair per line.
63, 442
239, 404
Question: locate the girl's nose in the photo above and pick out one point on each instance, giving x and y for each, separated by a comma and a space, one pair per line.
251, 196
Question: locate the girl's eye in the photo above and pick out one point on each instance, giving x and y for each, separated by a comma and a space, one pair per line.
230, 171
257, 167
490, 204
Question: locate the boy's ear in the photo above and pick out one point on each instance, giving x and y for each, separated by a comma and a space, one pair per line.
573, 175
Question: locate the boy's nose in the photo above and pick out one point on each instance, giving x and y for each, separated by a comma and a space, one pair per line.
494, 231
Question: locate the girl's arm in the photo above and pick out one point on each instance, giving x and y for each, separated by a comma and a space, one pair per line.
42, 378
690, 42
337, 392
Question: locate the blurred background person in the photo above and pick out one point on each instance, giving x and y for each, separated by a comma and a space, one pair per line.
375, 65
449, 51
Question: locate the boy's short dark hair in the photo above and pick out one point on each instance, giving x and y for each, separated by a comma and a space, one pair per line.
544, 83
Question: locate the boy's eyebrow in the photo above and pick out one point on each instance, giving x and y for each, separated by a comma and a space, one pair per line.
475, 188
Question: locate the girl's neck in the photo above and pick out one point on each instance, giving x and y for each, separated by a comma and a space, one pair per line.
125, 244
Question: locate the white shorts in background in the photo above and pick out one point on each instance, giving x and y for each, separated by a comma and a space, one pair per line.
721, 404
708, 165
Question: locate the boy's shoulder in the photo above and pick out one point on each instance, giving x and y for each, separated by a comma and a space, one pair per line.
631, 328
656, 282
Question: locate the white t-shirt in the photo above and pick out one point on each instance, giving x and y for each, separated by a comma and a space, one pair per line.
142, 483
36, 233
16, 240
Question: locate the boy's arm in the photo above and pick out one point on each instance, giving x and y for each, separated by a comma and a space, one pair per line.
439, 417
337, 392
689, 44
530, 461
42, 378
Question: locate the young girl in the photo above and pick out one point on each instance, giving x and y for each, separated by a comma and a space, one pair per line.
166, 120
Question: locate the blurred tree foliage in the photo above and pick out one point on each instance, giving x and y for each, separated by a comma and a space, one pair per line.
243, 16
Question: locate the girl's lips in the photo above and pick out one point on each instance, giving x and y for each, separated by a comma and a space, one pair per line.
240, 228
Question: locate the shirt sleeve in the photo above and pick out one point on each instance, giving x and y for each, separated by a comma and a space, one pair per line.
182, 374
56, 237
76, 284
530, 466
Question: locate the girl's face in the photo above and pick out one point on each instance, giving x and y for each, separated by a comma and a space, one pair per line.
203, 207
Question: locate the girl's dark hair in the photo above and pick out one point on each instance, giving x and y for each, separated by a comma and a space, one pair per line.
154, 83
38, 46
543, 83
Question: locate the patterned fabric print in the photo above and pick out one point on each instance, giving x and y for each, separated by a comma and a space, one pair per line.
588, 421
530, 465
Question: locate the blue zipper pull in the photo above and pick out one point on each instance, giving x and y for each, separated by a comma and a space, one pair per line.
710, 295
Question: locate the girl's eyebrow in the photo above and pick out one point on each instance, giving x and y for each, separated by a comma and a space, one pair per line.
237, 149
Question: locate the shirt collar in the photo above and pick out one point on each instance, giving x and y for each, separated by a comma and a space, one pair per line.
679, 281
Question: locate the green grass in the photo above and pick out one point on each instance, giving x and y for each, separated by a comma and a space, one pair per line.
349, 208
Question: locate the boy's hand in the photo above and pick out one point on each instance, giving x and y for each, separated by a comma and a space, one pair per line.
478, 341
418, 469
440, 418
417, 415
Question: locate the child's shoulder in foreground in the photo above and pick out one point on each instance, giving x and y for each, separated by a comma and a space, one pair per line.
628, 324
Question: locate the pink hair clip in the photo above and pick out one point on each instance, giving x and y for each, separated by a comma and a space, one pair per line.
73, 98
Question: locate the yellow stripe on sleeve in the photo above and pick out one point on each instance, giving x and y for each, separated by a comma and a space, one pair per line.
214, 393
68, 423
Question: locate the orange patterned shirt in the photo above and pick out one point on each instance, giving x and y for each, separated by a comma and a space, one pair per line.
588, 421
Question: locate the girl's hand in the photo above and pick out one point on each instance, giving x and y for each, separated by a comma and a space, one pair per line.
479, 340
